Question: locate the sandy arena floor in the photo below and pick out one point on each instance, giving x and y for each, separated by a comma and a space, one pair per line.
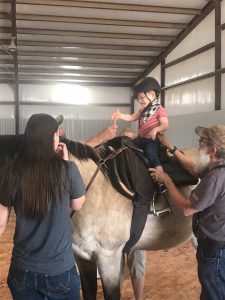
170, 274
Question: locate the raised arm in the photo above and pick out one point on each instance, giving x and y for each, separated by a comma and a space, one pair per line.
126, 117
106, 134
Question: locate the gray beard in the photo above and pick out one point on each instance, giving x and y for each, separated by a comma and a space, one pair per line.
203, 161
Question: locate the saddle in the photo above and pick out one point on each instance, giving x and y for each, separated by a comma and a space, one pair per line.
128, 174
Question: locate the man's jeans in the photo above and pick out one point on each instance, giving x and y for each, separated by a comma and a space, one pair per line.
211, 271
26, 285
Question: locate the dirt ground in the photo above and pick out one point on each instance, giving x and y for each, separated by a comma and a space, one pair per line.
170, 274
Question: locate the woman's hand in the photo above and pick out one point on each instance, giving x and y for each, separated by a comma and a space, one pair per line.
62, 151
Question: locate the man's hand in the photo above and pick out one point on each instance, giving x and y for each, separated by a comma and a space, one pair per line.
158, 175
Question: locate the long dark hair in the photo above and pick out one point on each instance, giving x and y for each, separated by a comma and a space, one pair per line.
37, 167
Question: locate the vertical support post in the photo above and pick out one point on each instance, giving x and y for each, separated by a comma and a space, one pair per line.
163, 72
15, 63
217, 54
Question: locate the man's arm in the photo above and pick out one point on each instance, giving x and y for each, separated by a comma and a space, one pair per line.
4, 217
182, 202
186, 162
106, 134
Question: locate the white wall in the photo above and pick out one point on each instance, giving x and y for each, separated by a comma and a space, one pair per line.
203, 34
81, 103
182, 128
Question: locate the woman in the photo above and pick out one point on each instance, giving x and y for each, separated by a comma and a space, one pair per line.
42, 186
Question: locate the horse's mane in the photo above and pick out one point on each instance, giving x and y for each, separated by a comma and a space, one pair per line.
82, 151
10, 145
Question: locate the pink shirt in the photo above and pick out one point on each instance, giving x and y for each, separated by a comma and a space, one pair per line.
152, 122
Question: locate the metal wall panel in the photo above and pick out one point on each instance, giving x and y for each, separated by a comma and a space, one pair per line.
196, 66
74, 94
182, 129
223, 49
223, 92
202, 35
191, 98
222, 12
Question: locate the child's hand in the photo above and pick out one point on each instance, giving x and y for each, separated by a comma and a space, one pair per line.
116, 115
62, 151
152, 134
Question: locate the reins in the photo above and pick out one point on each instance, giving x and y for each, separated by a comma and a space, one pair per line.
102, 162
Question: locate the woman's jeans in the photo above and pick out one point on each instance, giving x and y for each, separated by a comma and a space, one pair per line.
211, 271
27, 285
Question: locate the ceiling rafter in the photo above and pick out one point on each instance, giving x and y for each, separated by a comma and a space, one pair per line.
58, 71
74, 64
87, 46
77, 55
95, 34
114, 6
101, 43
100, 21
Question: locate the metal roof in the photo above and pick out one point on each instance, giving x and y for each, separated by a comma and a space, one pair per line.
98, 42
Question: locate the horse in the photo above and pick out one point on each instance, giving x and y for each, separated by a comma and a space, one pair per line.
101, 229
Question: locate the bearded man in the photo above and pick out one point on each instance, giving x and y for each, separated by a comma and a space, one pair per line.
207, 205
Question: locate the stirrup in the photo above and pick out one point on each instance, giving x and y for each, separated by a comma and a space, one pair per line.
159, 212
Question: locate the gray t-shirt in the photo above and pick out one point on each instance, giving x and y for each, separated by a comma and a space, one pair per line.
45, 246
209, 199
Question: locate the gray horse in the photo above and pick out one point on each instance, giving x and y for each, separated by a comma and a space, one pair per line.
102, 228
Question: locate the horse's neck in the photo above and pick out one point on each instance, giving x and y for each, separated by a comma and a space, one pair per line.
86, 168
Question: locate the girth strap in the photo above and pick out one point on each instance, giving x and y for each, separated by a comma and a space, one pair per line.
102, 162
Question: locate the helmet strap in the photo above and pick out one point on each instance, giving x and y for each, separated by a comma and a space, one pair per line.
148, 98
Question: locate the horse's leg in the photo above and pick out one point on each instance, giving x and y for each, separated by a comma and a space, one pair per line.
110, 271
88, 277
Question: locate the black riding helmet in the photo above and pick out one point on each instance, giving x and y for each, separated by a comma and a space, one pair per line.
147, 85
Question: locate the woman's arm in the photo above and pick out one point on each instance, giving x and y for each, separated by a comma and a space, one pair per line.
4, 217
77, 203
